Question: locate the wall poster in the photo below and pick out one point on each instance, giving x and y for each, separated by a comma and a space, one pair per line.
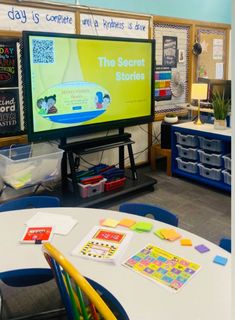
170, 51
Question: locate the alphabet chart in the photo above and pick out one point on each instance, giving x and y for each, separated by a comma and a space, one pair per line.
163, 267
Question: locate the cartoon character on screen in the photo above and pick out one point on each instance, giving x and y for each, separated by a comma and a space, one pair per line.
106, 101
42, 106
99, 99
51, 100
47, 105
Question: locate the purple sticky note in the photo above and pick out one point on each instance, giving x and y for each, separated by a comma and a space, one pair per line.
220, 260
202, 248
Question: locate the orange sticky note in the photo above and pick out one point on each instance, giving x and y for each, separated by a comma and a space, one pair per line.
186, 242
170, 234
126, 222
110, 223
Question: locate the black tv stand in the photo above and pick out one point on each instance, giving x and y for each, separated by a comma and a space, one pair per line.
72, 154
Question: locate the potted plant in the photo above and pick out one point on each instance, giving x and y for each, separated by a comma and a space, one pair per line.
221, 109
171, 118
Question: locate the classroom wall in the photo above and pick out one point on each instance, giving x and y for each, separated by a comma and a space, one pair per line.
204, 10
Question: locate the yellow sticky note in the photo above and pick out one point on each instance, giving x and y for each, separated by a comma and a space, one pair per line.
110, 223
170, 234
159, 234
126, 222
186, 242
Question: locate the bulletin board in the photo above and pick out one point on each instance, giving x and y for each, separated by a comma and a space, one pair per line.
172, 52
211, 63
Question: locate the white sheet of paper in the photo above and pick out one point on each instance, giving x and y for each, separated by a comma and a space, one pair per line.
219, 70
63, 224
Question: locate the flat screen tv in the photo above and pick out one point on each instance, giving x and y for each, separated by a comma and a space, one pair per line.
83, 84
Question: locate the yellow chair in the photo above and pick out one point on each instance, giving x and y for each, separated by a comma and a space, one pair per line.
81, 300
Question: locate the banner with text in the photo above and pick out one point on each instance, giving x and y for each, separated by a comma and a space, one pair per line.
19, 18
113, 26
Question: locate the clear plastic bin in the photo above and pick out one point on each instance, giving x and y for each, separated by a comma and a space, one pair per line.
227, 177
227, 161
210, 173
187, 153
187, 139
210, 144
29, 165
210, 158
187, 166
88, 190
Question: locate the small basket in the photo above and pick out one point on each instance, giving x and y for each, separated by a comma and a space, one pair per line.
112, 185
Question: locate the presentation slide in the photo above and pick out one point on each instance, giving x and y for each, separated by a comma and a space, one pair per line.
88, 81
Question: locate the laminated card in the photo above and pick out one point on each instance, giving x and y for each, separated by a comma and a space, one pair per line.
103, 244
162, 267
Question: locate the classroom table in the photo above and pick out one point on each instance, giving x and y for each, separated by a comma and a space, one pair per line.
205, 297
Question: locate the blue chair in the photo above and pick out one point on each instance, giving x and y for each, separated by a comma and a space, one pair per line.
150, 210
225, 243
30, 202
28, 277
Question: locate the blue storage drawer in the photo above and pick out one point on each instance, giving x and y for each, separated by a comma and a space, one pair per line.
188, 166
186, 139
209, 173
187, 153
213, 145
227, 161
227, 176
212, 159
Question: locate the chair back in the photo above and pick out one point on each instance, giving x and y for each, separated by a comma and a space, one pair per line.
225, 243
150, 210
30, 202
74, 289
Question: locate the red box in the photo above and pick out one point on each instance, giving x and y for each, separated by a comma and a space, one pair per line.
108, 186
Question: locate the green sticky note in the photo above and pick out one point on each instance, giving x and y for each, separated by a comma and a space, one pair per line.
158, 233
144, 226
135, 229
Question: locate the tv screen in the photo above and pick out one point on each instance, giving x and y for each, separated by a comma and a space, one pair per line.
83, 84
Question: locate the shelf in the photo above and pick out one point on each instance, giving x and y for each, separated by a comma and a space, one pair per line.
131, 187
206, 131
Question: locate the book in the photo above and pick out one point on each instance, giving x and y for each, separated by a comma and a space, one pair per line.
162, 267
37, 235
103, 244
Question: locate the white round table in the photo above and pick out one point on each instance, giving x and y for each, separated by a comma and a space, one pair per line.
205, 297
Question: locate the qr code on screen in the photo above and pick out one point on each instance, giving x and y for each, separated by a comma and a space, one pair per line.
43, 51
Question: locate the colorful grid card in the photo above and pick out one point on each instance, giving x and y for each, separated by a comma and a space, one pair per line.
163, 267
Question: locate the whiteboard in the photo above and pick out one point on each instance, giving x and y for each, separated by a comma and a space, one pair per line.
113, 26
19, 18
